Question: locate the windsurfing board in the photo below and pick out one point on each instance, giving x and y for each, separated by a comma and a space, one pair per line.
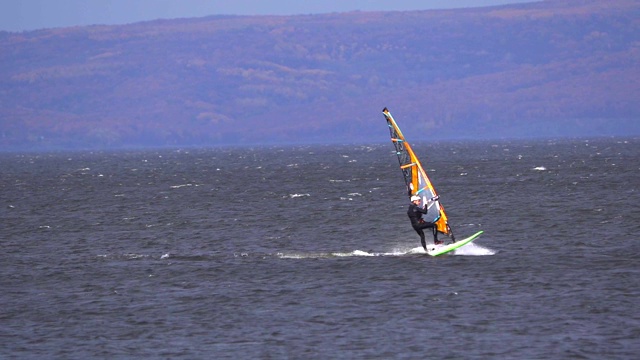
435, 250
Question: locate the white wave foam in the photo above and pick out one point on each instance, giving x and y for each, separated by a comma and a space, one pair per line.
468, 250
415, 250
473, 249
292, 256
179, 186
361, 253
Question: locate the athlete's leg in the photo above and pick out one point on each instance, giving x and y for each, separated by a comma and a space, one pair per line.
434, 229
422, 240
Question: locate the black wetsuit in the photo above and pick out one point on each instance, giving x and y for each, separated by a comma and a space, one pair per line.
417, 222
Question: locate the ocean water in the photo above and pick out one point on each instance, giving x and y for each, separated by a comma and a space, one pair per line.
306, 252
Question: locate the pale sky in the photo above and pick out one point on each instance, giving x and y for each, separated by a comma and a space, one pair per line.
21, 15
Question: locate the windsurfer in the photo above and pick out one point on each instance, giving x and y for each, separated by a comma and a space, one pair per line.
415, 213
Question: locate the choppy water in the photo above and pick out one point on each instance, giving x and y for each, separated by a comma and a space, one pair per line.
306, 252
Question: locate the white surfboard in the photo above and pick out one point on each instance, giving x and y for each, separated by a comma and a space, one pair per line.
435, 250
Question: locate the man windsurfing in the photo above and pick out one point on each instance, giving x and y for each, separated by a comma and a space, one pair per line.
415, 213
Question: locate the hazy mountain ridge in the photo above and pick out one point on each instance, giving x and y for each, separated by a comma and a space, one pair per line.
498, 71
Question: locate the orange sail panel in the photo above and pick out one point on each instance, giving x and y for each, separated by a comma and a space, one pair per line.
415, 177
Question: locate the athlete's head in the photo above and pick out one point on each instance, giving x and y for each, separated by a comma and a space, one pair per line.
415, 198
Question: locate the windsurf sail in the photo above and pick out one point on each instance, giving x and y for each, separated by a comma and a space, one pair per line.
416, 178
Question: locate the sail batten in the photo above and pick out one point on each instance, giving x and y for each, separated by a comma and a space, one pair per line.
407, 166
415, 177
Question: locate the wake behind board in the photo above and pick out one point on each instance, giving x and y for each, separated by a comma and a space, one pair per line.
435, 250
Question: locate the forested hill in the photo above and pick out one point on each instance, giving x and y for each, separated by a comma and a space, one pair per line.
550, 68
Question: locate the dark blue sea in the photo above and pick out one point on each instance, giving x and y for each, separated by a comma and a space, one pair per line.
306, 252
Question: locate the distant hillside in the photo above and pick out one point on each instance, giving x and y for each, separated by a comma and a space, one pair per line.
559, 67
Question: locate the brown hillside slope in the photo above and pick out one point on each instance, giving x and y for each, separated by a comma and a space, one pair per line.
496, 71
